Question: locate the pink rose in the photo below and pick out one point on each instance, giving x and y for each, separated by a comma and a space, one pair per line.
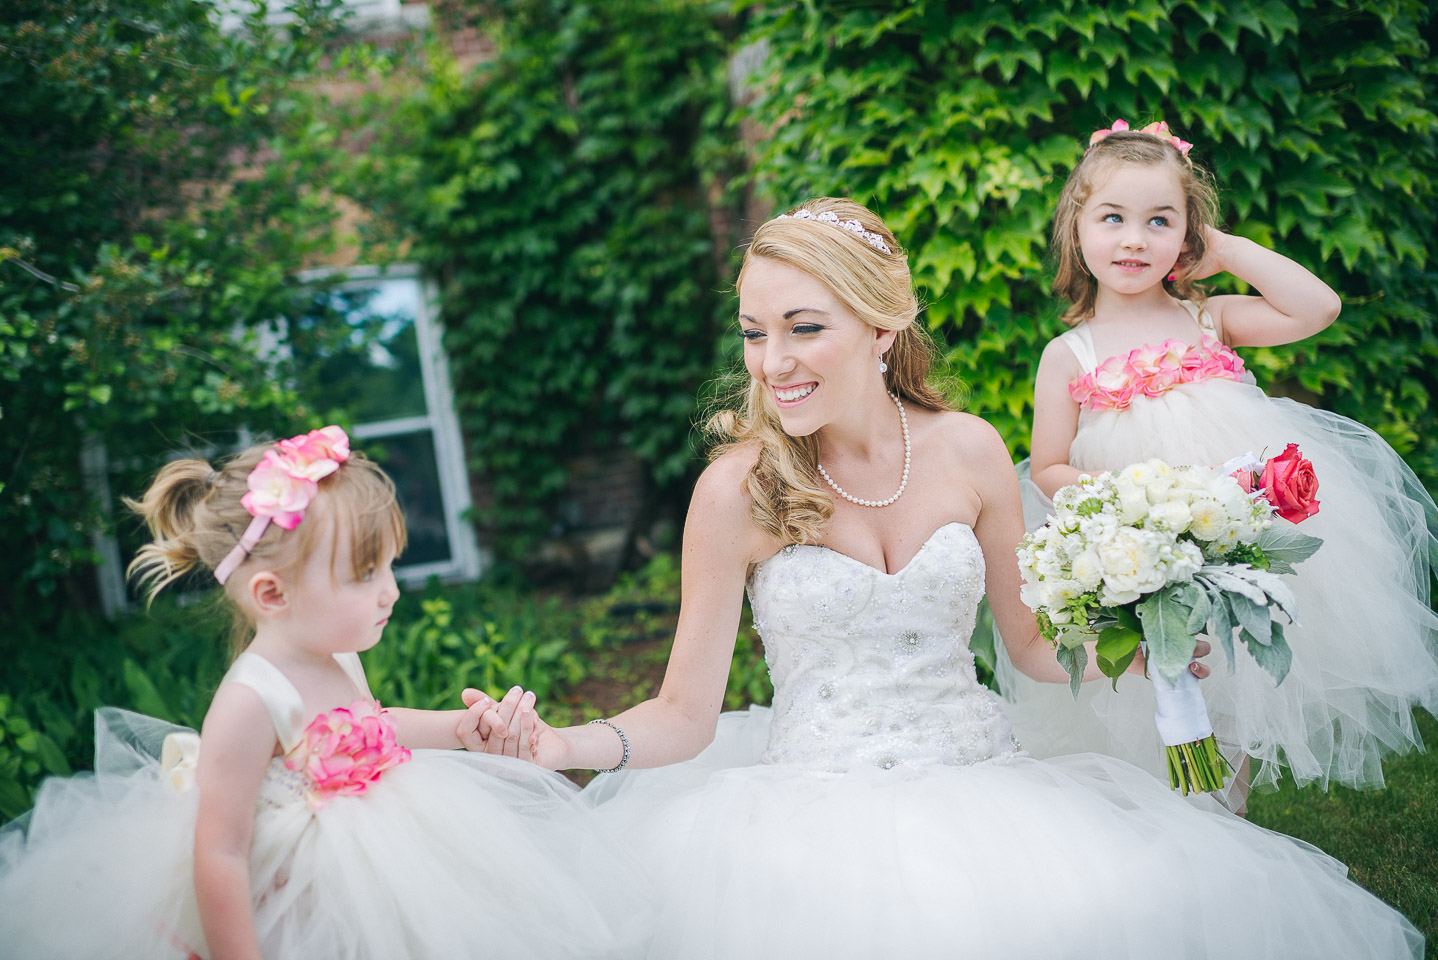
1245, 479
345, 750
278, 492
1081, 389
1144, 360
1290, 484
319, 453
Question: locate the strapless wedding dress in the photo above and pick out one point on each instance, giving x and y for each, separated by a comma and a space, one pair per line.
883, 808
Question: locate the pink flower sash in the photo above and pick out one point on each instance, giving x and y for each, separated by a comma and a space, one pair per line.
345, 750
1153, 370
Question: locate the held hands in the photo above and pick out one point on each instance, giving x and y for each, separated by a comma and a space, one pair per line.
510, 728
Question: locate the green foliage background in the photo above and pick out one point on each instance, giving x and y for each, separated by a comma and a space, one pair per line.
958, 122
157, 202
564, 193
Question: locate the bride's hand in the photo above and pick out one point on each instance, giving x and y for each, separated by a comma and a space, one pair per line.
486, 724
1200, 670
1200, 649
512, 728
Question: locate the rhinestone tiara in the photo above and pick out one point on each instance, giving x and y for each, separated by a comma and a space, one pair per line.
851, 226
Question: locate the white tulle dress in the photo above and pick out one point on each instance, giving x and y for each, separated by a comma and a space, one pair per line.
446, 855
1365, 652
883, 809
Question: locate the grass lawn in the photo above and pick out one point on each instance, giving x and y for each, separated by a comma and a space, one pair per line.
1388, 838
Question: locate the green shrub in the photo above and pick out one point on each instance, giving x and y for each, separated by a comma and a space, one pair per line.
958, 122
563, 194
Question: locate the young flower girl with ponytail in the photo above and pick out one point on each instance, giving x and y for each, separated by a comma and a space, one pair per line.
304, 821
1147, 370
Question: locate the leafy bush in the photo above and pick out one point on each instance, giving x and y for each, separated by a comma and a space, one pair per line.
563, 194
159, 198
958, 122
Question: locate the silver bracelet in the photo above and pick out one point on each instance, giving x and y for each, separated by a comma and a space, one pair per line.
622, 739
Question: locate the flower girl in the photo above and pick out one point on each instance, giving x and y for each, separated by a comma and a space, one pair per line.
1148, 370
304, 821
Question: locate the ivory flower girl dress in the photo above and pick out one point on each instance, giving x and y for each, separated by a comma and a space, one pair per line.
361, 849
1365, 652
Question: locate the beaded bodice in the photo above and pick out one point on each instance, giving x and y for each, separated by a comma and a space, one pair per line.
874, 669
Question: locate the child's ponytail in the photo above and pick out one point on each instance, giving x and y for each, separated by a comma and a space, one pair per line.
168, 508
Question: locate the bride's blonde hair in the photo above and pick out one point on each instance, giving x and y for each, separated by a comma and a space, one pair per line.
790, 501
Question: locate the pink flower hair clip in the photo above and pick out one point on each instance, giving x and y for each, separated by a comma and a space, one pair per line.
282, 486
1158, 128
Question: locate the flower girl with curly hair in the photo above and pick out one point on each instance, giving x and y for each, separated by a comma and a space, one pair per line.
304, 820
1148, 369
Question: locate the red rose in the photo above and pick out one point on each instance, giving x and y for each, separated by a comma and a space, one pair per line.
1290, 484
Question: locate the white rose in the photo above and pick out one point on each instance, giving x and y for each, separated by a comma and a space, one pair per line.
1138, 474
1132, 504
1087, 569
1172, 516
1131, 561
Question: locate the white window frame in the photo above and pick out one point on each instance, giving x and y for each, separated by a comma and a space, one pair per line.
366, 14
466, 561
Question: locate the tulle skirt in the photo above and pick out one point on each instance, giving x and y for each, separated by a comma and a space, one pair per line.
449, 855
1078, 857
1365, 652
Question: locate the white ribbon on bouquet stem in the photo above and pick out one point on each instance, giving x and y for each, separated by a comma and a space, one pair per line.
1181, 715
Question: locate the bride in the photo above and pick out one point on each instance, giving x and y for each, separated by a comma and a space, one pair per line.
883, 807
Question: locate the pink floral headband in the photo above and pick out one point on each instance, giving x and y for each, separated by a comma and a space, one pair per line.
1158, 128
282, 486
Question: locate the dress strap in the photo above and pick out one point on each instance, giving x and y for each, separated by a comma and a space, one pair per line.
283, 702
1201, 317
350, 663
1080, 341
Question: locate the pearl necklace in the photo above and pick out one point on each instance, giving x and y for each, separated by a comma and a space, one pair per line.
904, 482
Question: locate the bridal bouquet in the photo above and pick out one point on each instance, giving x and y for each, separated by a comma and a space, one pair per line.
1154, 555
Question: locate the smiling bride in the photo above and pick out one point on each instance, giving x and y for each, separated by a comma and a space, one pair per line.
883, 807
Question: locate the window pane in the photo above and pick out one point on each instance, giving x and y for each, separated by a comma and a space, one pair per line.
409, 459
360, 352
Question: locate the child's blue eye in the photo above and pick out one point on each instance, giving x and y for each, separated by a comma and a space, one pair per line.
1159, 221
1111, 218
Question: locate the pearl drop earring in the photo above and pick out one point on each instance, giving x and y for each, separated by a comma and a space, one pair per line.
883, 367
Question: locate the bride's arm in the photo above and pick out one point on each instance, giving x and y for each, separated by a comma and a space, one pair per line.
720, 542
999, 529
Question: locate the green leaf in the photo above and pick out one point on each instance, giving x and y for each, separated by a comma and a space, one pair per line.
1284, 544
1074, 660
1165, 629
1274, 657
144, 696
1115, 650
1254, 618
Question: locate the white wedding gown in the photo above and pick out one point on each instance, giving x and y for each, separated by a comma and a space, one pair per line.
883, 809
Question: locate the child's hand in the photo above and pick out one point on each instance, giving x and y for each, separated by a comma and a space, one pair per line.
1212, 262
489, 726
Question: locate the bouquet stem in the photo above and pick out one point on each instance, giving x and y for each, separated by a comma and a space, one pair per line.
1181, 716
1197, 766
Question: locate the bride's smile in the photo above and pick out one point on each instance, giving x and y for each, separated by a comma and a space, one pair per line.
817, 360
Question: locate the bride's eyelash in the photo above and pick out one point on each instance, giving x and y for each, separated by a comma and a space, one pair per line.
808, 328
